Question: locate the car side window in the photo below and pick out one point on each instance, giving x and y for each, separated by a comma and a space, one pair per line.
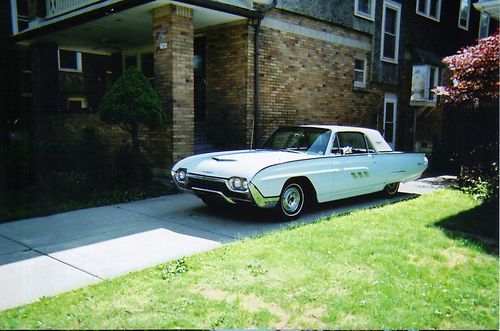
371, 149
335, 147
352, 143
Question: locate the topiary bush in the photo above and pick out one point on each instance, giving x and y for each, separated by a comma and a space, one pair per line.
130, 103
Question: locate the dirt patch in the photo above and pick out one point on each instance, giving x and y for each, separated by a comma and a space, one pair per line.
312, 318
454, 257
249, 302
346, 320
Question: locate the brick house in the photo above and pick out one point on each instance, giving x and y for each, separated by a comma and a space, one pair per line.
230, 71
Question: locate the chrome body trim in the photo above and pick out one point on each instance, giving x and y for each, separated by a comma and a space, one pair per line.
213, 192
212, 179
260, 200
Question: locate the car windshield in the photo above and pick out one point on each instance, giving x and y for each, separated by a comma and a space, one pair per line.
299, 139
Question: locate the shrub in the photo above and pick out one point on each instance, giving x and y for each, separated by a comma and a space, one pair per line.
479, 173
71, 185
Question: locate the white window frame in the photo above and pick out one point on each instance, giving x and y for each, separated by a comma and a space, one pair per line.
13, 14
78, 61
427, 87
397, 7
391, 98
369, 16
484, 16
428, 10
466, 27
364, 71
82, 100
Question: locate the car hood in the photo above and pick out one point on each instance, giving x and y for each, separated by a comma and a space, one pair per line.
237, 163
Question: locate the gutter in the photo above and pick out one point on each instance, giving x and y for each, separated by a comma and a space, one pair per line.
122, 6
256, 72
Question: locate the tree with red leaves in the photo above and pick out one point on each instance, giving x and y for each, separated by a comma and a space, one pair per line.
475, 73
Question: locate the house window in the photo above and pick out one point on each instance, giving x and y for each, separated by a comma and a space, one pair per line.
143, 61
429, 8
360, 72
22, 15
484, 25
77, 104
70, 61
130, 61
390, 31
424, 78
365, 9
463, 15
390, 118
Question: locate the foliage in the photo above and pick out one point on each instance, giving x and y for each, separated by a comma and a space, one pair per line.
73, 174
391, 267
475, 72
17, 164
480, 181
132, 101
173, 269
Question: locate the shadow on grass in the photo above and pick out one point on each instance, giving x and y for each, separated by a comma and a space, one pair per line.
478, 225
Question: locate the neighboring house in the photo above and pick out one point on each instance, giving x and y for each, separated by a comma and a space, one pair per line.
364, 62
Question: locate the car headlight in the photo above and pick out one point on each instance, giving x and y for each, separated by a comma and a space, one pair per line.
181, 175
237, 184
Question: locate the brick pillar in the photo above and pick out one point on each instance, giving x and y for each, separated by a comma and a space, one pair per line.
174, 81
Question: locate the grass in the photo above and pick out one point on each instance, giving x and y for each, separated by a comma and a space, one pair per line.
388, 267
25, 203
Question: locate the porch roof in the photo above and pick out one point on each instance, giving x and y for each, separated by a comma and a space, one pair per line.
116, 27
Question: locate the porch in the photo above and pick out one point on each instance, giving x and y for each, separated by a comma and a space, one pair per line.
195, 57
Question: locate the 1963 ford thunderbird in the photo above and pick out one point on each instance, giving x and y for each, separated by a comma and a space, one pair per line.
298, 166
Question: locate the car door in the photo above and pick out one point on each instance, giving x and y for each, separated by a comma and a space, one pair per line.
353, 165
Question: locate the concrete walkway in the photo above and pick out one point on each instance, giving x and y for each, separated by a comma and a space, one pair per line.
45, 256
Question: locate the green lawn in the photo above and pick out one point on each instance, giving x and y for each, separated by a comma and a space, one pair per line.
388, 267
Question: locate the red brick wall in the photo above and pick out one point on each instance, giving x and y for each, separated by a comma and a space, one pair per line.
227, 84
310, 81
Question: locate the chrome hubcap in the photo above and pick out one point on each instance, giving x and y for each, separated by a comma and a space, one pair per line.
291, 200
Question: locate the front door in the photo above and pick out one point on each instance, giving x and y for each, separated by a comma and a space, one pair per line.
199, 79
390, 118
201, 141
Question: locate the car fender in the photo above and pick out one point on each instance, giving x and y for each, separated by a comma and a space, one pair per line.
270, 180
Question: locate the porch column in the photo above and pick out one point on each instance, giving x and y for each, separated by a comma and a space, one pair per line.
174, 81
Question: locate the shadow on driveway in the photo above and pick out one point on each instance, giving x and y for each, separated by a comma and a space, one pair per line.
184, 215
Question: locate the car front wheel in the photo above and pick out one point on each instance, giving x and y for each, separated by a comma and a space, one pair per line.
291, 200
391, 189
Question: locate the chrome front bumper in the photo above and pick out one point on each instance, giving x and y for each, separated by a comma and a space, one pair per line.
252, 196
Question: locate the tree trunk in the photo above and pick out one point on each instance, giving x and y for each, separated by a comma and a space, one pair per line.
136, 157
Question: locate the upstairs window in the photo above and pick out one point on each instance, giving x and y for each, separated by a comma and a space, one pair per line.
463, 15
70, 61
484, 25
391, 18
430, 9
360, 73
365, 9
425, 77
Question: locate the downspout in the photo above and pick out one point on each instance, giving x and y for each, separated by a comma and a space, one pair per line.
256, 71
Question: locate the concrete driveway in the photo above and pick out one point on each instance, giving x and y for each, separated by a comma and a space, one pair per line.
45, 256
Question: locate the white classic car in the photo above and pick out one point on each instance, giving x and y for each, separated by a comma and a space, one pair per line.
298, 166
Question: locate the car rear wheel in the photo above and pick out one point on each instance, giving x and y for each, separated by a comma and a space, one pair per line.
391, 189
291, 200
